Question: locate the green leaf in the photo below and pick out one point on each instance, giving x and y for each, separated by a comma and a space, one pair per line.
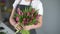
34, 20
30, 8
20, 19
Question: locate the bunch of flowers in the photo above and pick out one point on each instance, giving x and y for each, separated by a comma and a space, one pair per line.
28, 16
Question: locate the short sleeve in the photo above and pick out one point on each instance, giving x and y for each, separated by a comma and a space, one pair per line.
16, 3
38, 5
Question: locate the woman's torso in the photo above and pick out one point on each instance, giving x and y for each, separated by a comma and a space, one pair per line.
23, 4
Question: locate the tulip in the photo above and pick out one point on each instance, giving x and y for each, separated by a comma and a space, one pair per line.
18, 9
37, 16
24, 22
24, 19
32, 14
33, 10
32, 17
28, 13
17, 18
27, 20
19, 12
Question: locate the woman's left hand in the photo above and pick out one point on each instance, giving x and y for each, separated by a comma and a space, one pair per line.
28, 27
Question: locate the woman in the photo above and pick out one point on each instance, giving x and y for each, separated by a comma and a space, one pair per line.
21, 4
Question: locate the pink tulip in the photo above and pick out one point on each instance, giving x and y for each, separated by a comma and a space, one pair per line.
32, 17
28, 13
19, 12
24, 22
17, 18
32, 14
18, 9
27, 19
33, 10
37, 16
30, 20
24, 19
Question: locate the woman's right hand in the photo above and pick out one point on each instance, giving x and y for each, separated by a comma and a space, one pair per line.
14, 24
18, 27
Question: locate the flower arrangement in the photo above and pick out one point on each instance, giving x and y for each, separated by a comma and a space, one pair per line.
29, 16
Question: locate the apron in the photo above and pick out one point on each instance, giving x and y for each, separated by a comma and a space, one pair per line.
22, 7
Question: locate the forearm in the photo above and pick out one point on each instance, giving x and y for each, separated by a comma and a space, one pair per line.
12, 21
38, 25
12, 14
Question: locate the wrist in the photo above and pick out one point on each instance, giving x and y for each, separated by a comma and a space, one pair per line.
35, 26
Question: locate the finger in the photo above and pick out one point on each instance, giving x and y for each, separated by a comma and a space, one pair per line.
19, 28
16, 28
26, 28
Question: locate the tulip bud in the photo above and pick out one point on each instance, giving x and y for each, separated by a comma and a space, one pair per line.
28, 13
21, 13
24, 19
18, 9
17, 18
24, 22
32, 17
33, 10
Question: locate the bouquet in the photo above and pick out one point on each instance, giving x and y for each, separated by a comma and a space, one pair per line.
28, 16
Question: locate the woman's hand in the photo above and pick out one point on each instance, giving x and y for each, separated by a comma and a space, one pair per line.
27, 27
30, 27
18, 27
14, 24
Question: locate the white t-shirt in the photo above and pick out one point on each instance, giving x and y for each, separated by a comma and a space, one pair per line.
35, 4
